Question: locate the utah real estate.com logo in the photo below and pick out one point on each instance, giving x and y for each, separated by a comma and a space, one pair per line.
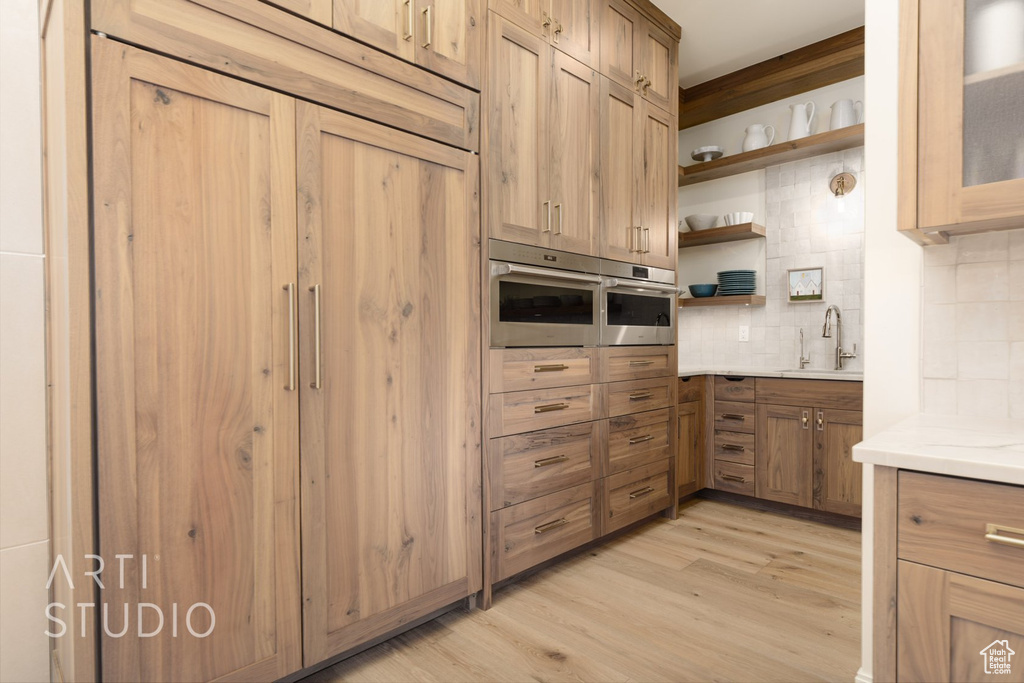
997, 657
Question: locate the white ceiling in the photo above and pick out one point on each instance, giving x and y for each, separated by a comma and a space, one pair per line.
721, 36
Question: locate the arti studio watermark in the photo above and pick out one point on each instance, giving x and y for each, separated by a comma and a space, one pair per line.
197, 620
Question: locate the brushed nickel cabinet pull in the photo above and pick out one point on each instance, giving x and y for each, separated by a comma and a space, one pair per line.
558, 29
547, 21
407, 35
317, 369
647, 240
550, 408
640, 493
645, 85
428, 25
547, 221
733, 477
554, 460
805, 417
640, 439
732, 447
550, 526
992, 533
637, 81
640, 363
733, 416
558, 216
640, 395
550, 368
821, 421
290, 288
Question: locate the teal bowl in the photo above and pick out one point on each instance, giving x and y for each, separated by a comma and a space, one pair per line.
701, 291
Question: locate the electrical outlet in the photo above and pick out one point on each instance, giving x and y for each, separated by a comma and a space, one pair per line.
744, 333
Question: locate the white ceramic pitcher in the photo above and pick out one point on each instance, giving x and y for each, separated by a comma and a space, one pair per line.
757, 138
800, 123
846, 113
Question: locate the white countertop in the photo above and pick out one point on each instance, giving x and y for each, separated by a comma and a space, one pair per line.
971, 447
809, 373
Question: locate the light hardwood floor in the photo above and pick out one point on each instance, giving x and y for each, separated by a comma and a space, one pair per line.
723, 593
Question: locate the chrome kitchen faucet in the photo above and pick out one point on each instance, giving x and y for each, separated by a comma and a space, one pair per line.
826, 331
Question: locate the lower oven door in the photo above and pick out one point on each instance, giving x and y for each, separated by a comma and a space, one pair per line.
532, 306
634, 312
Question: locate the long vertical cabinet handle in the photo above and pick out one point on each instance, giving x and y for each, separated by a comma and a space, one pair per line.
407, 35
428, 25
290, 288
547, 221
317, 369
647, 240
558, 217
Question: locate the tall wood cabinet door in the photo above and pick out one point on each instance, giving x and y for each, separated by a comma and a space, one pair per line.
659, 66
518, 199
620, 51
952, 627
575, 29
197, 416
621, 175
574, 156
390, 378
532, 15
783, 466
320, 11
386, 24
658, 141
837, 478
690, 448
449, 37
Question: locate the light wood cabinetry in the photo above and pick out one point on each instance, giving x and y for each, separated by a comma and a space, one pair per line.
961, 147
637, 54
569, 25
543, 146
320, 11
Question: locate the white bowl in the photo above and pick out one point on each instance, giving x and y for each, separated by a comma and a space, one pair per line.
738, 217
701, 221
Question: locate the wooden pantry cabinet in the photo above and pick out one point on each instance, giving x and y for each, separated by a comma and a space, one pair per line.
637, 54
568, 25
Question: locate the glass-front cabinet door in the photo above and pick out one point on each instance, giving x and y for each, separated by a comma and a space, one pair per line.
969, 113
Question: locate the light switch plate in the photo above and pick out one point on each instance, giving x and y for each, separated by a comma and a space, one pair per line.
744, 333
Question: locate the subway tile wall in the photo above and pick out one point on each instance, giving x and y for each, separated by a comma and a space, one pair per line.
973, 326
806, 227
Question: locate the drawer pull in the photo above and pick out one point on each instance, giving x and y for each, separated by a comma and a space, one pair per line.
733, 477
640, 395
550, 408
732, 447
733, 416
640, 363
640, 439
645, 491
550, 368
550, 526
554, 460
992, 534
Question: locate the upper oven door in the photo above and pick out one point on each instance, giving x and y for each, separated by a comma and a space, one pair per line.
637, 312
533, 306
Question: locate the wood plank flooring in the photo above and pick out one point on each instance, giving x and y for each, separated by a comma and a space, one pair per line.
724, 593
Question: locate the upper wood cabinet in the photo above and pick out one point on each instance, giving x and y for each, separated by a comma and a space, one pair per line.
320, 11
542, 109
569, 25
637, 54
961, 147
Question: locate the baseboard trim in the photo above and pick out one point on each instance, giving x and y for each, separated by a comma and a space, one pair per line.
863, 677
809, 514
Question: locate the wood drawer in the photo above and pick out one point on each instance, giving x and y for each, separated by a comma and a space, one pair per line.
630, 496
817, 393
734, 388
943, 523
537, 530
640, 395
734, 417
731, 476
639, 439
638, 362
529, 411
690, 389
522, 369
738, 447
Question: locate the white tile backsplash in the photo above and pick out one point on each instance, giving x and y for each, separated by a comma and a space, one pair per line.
805, 229
973, 349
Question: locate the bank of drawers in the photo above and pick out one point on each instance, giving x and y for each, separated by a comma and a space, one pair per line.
582, 443
734, 446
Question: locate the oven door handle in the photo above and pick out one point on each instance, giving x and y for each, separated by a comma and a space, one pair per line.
612, 283
516, 269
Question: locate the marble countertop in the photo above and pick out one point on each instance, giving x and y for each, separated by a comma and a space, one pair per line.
971, 447
809, 373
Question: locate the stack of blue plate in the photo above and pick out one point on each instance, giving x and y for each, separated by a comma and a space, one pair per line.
733, 282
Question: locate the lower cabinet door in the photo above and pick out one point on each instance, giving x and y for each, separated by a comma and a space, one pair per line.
785, 441
630, 496
953, 627
689, 448
837, 478
390, 378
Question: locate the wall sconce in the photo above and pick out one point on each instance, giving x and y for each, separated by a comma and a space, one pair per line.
842, 185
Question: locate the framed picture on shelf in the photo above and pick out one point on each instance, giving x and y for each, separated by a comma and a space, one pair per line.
806, 285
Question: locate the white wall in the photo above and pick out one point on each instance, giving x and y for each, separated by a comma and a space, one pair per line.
24, 527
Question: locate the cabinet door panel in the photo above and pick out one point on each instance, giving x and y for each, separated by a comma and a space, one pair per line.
386, 24
837, 478
658, 65
197, 434
532, 15
658, 209
518, 205
690, 448
449, 38
575, 29
784, 454
390, 413
620, 26
621, 182
574, 156
320, 11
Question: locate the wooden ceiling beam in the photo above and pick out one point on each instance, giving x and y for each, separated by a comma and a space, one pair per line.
834, 59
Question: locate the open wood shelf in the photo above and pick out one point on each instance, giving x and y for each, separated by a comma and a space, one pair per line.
736, 300
781, 153
728, 233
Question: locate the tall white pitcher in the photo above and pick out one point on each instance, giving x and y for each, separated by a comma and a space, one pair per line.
800, 123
